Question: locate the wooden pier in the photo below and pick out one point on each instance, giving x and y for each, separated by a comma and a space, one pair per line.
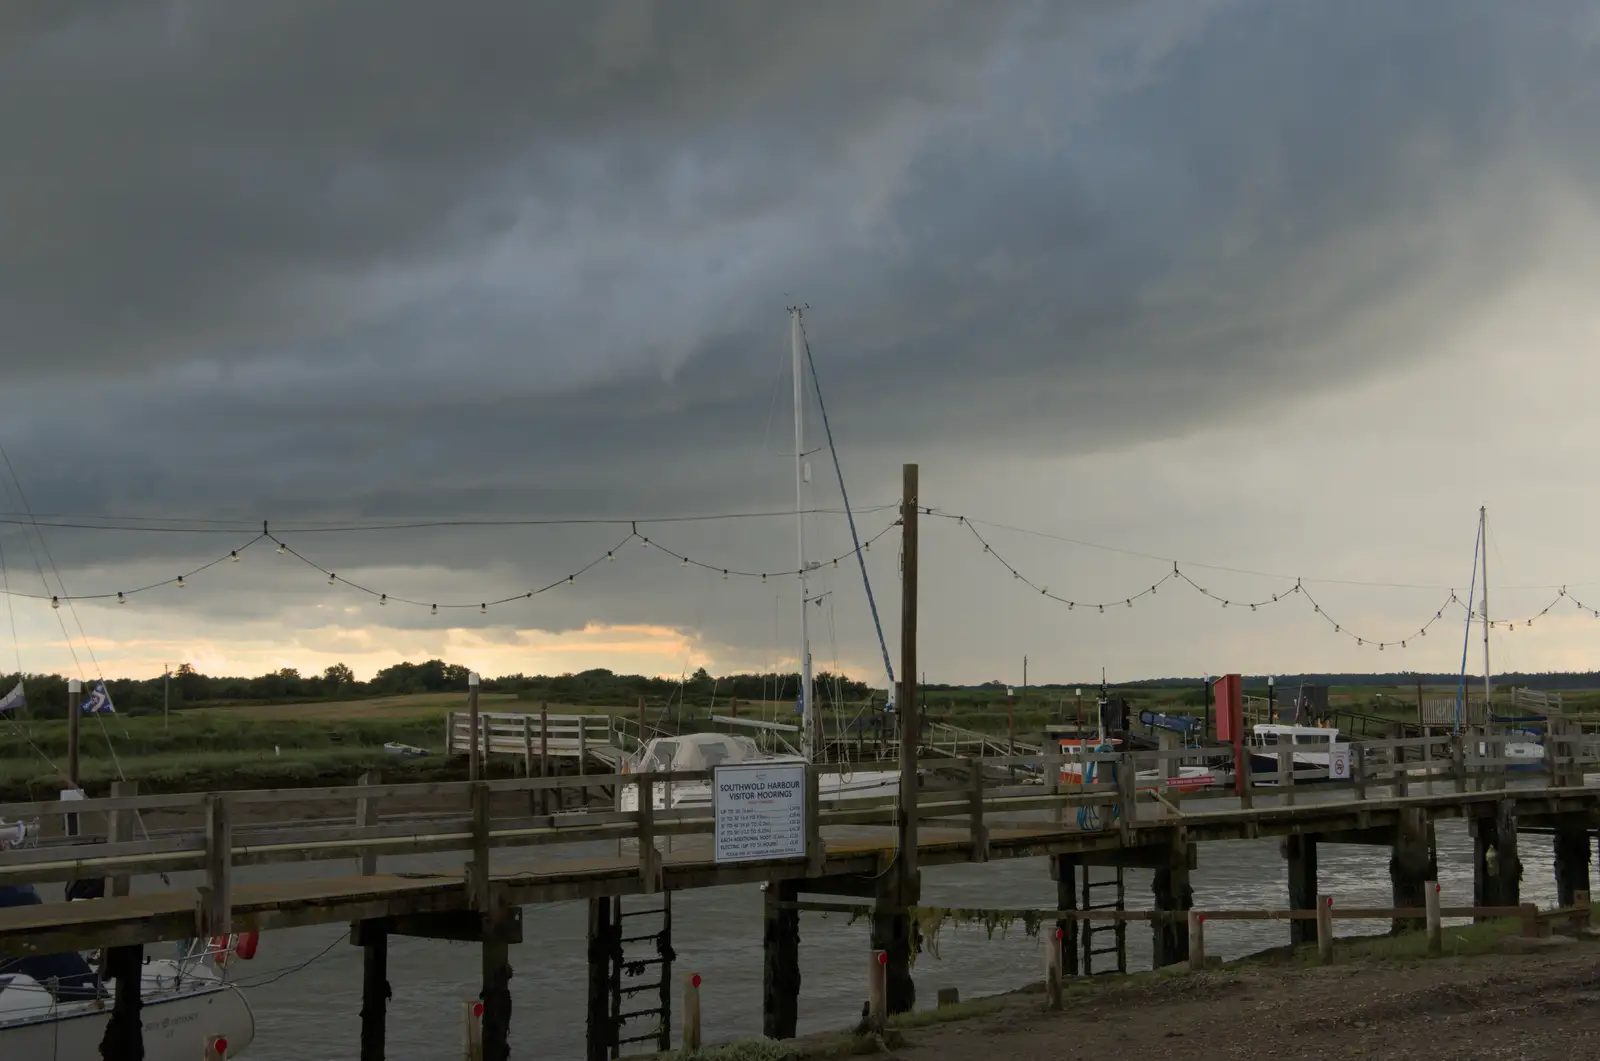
513, 858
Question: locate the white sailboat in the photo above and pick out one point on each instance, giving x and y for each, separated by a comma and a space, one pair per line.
55, 1007
704, 751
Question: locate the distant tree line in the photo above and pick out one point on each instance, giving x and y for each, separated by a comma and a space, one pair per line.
187, 687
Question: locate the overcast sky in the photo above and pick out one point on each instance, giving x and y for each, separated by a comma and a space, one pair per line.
1281, 287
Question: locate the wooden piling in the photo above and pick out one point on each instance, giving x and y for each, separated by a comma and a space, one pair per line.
605, 951
375, 993
691, 1013
1325, 929
472, 1030
1572, 854
1412, 865
1496, 869
978, 832
1171, 892
123, 1039
120, 830
891, 933
780, 967
496, 995
1064, 871
1301, 852
1197, 941
216, 895
1435, 927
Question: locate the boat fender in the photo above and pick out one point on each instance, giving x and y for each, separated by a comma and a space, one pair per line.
245, 944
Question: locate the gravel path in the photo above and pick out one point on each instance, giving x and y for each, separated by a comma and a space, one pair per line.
1542, 1005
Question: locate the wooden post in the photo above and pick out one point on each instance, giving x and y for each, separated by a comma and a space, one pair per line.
472, 1031
605, 951
780, 975
1052, 972
74, 691
1172, 894
583, 758
375, 992
1572, 853
478, 868
486, 748
691, 1013
978, 831
1127, 796
527, 752
1325, 929
1458, 762
216, 895
1301, 852
1197, 941
642, 738
124, 1035
473, 761
1358, 770
367, 815
550, 795
1529, 919
120, 830
1413, 864
649, 864
1286, 774
1430, 897
816, 850
878, 992
1064, 871
449, 734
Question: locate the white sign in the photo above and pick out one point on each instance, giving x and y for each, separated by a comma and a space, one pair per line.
1339, 762
761, 811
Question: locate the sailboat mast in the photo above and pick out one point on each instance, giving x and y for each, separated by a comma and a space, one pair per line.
1483, 529
806, 710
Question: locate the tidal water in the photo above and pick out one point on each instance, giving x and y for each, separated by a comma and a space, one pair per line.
306, 990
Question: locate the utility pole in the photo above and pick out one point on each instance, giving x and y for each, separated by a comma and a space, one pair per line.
166, 695
1483, 530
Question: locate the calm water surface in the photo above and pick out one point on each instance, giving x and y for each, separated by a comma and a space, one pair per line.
311, 1014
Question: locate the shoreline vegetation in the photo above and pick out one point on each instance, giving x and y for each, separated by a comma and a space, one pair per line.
285, 730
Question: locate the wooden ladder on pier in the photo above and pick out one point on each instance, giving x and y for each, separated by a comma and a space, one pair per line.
641, 976
1106, 893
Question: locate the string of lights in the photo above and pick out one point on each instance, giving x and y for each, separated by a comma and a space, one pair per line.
1298, 589
182, 581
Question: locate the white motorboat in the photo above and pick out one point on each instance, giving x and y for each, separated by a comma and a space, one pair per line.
1075, 771
706, 751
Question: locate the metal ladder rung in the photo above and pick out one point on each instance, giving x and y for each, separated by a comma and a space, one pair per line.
641, 913
641, 1013
639, 939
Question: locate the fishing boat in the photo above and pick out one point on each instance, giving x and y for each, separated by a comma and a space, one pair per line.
1311, 746
1075, 770
55, 1007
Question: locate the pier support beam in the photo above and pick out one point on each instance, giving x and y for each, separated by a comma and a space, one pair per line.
780, 968
1301, 853
605, 948
1170, 939
892, 933
375, 993
124, 1035
496, 992
1572, 850
1413, 862
1496, 869
1064, 871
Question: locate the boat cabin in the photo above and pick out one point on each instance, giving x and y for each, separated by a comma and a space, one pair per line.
695, 751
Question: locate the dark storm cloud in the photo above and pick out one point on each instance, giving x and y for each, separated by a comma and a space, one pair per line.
368, 259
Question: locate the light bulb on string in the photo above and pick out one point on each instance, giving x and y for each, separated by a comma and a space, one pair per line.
234, 556
181, 583
683, 561
571, 579
483, 609
383, 598
332, 578
724, 574
282, 548
55, 602
433, 609
610, 556
120, 598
